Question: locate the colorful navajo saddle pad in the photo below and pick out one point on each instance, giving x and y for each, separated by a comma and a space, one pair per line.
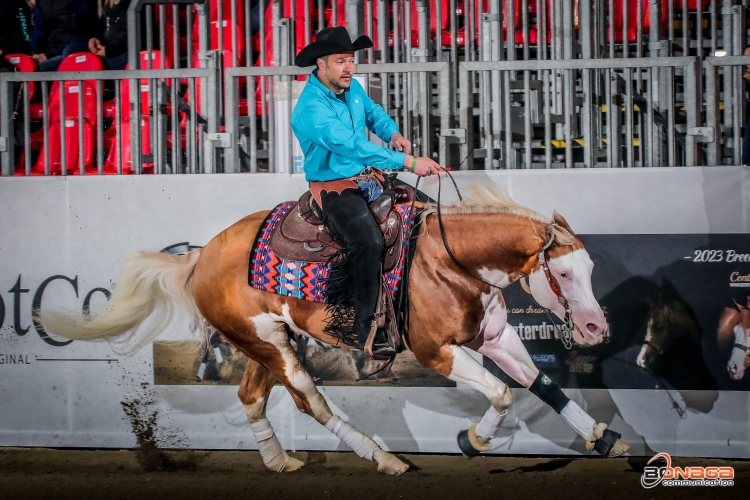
306, 280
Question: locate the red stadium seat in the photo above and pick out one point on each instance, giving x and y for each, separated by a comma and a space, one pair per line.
632, 29
692, 4
110, 164
82, 61
25, 64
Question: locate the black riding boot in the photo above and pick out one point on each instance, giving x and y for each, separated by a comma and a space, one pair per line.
350, 216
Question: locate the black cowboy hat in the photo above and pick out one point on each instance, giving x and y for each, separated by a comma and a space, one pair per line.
330, 41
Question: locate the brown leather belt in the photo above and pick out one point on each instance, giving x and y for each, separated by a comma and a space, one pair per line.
339, 185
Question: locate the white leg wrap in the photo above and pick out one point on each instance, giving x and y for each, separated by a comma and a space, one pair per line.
202, 371
579, 420
361, 444
219, 357
270, 449
490, 423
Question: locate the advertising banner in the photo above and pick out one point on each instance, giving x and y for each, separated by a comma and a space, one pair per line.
671, 249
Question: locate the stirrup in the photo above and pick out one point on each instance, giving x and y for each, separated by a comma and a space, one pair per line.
381, 352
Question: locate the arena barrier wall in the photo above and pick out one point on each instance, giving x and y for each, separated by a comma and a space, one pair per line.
63, 241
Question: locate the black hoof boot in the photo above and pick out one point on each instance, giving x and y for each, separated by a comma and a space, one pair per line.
465, 444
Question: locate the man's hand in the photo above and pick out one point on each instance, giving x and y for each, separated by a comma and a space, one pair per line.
97, 48
40, 58
401, 143
425, 166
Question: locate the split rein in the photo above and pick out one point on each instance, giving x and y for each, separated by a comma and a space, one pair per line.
566, 330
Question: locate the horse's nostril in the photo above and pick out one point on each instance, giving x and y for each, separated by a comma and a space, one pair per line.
593, 328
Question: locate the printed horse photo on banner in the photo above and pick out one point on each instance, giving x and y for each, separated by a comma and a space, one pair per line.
446, 291
734, 333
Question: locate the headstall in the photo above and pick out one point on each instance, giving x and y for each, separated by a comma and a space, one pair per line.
566, 330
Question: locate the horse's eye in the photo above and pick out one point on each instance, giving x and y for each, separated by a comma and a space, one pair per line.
563, 275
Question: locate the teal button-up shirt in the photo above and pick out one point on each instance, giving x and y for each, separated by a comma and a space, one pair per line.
332, 134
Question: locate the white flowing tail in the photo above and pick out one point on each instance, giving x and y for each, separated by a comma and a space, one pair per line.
154, 285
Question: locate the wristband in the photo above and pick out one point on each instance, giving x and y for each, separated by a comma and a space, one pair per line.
413, 164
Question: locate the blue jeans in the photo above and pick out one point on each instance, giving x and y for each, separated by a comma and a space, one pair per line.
113, 63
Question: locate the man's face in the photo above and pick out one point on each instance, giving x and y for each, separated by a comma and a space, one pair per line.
337, 70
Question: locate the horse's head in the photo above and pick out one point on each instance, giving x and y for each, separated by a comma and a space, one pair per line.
740, 357
668, 323
570, 265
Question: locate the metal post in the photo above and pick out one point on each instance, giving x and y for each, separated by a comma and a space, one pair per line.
466, 117
355, 21
585, 32
693, 105
134, 33
6, 127
712, 112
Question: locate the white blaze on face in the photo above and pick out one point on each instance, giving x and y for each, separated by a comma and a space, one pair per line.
736, 365
573, 272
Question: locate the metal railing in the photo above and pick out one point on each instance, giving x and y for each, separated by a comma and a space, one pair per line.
417, 96
82, 122
726, 108
408, 31
585, 112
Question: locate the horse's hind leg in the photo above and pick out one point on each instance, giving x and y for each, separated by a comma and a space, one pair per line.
282, 360
254, 390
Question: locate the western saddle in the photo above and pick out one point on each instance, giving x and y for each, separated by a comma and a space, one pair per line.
302, 236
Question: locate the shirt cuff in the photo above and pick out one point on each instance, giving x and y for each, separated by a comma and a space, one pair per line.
399, 158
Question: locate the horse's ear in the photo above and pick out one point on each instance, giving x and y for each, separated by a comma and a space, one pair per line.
560, 221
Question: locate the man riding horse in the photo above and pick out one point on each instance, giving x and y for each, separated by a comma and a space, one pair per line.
344, 168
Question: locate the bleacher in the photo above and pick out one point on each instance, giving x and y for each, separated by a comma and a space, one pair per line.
584, 84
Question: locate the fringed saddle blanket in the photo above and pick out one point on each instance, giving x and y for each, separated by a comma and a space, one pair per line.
306, 280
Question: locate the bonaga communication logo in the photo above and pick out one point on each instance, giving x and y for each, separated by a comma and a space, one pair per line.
654, 475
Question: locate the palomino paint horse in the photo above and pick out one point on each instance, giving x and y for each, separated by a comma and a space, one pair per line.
492, 236
734, 329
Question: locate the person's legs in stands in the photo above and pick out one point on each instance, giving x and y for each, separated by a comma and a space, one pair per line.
72, 48
51, 64
116, 63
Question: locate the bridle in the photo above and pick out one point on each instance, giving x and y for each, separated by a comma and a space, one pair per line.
566, 329
742, 348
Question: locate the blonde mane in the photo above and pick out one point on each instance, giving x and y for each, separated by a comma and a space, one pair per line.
492, 199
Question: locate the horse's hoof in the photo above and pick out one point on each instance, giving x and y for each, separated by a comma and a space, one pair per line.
292, 465
618, 449
389, 463
470, 444
608, 443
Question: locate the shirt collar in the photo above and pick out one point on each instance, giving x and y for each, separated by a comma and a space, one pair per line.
316, 82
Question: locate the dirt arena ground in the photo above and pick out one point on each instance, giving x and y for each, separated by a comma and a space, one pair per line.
86, 474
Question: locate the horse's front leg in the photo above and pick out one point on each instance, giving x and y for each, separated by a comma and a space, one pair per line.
456, 364
506, 349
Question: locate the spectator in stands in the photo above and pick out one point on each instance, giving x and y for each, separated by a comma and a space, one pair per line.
15, 25
258, 9
112, 46
746, 138
57, 24
16, 96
